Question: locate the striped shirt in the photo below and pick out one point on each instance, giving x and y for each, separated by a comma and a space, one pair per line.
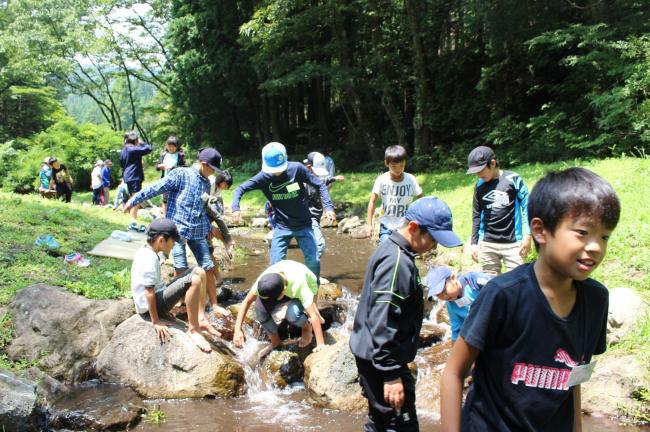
184, 187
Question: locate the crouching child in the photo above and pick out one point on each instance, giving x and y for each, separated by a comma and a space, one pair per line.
459, 290
153, 299
285, 290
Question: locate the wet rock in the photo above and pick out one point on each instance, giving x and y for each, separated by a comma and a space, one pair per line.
48, 388
224, 294
332, 379
17, 403
346, 224
224, 325
611, 388
176, 369
63, 331
250, 314
332, 312
259, 222
625, 308
221, 257
329, 291
431, 333
442, 315
430, 365
94, 406
281, 368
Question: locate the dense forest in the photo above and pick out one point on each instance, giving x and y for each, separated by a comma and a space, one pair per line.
539, 80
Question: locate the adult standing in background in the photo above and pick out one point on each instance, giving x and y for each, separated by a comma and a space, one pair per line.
132, 172
96, 182
61, 180
106, 181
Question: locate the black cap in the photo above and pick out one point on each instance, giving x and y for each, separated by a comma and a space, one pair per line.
479, 158
164, 226
269, 288
211, 156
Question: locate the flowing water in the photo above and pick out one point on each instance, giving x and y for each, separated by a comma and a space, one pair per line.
267, 409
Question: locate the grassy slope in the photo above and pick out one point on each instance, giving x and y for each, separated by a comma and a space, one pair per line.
79, 228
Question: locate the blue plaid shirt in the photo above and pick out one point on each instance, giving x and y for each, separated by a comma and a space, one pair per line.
184, 187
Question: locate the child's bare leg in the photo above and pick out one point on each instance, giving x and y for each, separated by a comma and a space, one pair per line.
307, 335
134, 213
192, 302
204, 325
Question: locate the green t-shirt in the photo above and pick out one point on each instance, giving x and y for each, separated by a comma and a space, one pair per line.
301, 282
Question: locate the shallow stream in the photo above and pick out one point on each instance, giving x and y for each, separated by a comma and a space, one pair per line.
263, 409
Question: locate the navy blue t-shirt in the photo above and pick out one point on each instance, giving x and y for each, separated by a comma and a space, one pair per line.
287, 194
527, 352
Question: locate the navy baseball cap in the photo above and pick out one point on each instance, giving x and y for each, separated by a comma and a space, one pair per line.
434, 215
479, 158
212, 157
274, 158
435, 280
269, 288
164, 226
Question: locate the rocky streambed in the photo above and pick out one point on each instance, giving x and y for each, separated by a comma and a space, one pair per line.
100, 367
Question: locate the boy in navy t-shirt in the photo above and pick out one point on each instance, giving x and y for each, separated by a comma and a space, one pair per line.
531, 333
283, 184
458, 290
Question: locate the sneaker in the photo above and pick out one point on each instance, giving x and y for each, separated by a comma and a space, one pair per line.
143, 228
133, 227
72, 257
83, 262
47, 241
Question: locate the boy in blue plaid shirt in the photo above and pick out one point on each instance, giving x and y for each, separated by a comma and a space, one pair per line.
184, 187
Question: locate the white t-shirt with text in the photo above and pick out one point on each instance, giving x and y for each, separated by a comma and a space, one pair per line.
145, 272
395, 197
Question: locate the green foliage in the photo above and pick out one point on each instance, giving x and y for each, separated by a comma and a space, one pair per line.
76, 146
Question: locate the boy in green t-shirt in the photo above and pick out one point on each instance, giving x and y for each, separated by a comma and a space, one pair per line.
285, 290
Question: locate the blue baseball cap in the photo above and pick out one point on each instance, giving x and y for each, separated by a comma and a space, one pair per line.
434, 215
274, 158
435, 280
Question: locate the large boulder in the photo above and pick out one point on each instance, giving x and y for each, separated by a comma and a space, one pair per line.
613, 385
176, 369
96, 407
332, 379
63, 331
281, 368
17, 403
625, 308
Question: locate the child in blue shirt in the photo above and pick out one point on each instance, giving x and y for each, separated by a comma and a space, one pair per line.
458, 290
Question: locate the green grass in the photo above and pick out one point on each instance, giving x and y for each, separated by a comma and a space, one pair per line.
76, 228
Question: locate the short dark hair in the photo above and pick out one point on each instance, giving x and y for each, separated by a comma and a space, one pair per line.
130, 137
223, 176
395, 153
152, 236
173, 140
573, 192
